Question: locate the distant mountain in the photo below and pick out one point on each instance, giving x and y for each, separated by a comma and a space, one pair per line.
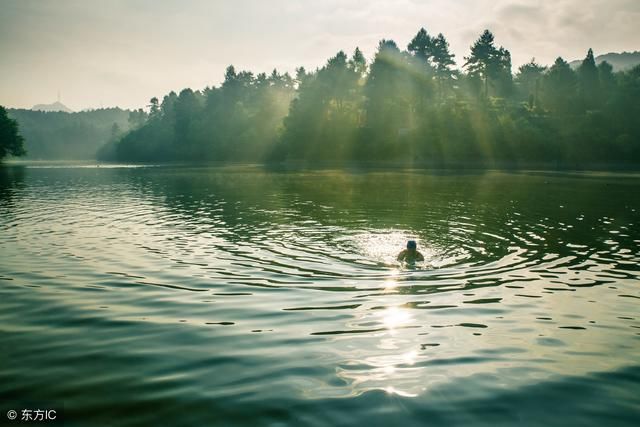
55, 107
620, 61
68, 136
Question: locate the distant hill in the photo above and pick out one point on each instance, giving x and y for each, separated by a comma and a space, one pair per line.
620, 61
58, 135
55, 107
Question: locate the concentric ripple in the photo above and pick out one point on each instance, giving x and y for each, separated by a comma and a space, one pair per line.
198, 291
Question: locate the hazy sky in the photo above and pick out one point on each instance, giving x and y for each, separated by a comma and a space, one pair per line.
123, 52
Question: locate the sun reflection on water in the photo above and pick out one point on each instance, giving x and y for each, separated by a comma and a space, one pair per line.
394, 317
390, 364
393, 390
389, 361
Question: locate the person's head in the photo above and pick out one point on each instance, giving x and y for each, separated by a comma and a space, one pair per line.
411, 245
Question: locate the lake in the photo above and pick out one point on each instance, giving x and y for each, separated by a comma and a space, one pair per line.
184, 295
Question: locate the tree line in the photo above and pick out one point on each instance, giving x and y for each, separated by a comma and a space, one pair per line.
406, 105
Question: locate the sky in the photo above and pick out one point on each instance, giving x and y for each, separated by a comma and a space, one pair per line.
103, 53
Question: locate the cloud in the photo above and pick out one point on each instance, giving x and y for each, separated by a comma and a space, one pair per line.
518, 12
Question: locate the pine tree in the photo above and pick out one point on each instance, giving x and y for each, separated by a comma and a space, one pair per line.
358, 63
421, 46
560, 87
589, 82
488, 63
529, 79
443, 60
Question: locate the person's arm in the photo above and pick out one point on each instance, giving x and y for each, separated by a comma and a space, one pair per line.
402, 255
419, 256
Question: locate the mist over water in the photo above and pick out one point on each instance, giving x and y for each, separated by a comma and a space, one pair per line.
237, 295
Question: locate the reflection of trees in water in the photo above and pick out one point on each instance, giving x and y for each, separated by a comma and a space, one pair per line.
492, 210
11, 179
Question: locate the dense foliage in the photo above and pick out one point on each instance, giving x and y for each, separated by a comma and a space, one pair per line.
11, 142
407, 106
61, 135
238, 121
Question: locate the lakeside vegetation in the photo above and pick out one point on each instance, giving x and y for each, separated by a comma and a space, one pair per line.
408, 106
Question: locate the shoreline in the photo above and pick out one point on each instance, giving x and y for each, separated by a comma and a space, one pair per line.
293, 165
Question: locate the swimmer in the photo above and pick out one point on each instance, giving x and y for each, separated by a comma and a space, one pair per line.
411, 254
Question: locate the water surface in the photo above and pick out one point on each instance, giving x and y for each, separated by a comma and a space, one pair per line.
179, 295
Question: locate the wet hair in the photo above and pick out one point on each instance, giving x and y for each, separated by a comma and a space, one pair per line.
411, 244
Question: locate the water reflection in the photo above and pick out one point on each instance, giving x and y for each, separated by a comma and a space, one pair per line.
390, 365
11, 180
394, 317
223, 284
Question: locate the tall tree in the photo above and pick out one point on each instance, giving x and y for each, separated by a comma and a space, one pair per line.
11, 142
489, 63
338, 79
560, 87
626, 104
529, 80
154, 108
443, 61
187, 107
383, 87
395, 91
607, 80
301, 76
589, 82
421, 46
358, 63
422, 70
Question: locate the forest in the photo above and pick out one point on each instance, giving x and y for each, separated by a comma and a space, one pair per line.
70, 136
415, 106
